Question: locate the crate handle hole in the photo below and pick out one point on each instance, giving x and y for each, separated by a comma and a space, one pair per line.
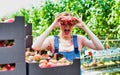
7, 43
7, 67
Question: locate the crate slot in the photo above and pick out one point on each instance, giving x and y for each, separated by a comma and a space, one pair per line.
20, 69
7, 67
6, 43
13, 54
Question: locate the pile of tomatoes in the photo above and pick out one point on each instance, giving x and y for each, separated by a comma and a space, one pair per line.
45, 60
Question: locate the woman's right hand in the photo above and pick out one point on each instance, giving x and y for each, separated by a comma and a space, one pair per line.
55, 23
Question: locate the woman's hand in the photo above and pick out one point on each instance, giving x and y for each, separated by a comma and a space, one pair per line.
95, 43
80, 23
55, 23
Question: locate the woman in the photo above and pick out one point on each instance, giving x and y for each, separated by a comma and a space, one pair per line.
66, 43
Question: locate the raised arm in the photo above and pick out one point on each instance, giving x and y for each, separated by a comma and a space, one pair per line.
95, 43
41, 42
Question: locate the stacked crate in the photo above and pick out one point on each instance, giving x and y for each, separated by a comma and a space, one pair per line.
16, 53
29, 37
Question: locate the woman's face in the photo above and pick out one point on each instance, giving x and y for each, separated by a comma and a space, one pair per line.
66, 29
67, 22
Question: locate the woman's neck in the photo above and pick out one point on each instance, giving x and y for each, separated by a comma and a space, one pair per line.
65, 37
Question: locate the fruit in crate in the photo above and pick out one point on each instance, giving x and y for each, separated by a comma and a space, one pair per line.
29, 56
32, 56
9, 20
64, 61
1, 43
53, 63
6, 43
43, 64
46, 61
57, 60
4, 69
7, 67
37, 57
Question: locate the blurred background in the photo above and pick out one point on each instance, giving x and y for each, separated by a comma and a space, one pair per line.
101, 16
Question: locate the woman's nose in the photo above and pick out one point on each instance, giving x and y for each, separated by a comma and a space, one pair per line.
67, 26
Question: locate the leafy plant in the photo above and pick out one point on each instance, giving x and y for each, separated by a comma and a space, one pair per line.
101, 16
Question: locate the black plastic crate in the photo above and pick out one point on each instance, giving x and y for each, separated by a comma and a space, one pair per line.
20, 69
13, 31
28, 29
74, 69
29, 40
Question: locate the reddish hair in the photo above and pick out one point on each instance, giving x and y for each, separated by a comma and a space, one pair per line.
64, 14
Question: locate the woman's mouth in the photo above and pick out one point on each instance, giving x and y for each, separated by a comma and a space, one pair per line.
66, 31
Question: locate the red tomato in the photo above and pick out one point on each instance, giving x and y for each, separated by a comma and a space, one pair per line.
43, 65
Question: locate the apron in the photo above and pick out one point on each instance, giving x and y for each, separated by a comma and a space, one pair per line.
68, 55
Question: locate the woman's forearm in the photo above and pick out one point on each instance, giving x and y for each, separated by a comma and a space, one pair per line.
39, 40
38, 43
97, 43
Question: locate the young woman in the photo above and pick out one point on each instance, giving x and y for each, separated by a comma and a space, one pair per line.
65, 43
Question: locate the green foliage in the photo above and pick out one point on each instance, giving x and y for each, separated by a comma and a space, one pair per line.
101, 16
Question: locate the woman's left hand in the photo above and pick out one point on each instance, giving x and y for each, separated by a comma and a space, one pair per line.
80, 23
